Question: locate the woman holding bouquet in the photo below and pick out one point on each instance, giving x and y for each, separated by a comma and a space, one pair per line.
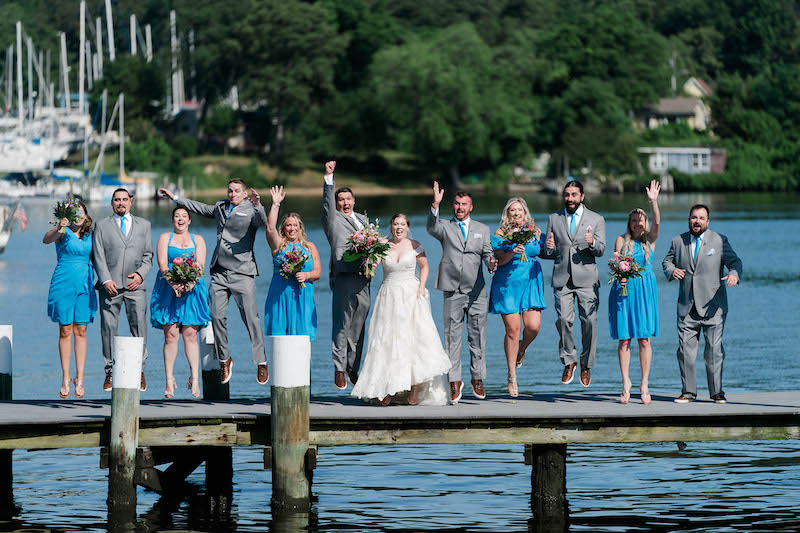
635, 315
72, 302
180, 306
290, 308
517, 293
404, 351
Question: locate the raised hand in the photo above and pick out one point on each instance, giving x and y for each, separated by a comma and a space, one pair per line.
254, 198
589, 237
277, 194
167, 193
550, 243
329, 167
653, 190
438, 194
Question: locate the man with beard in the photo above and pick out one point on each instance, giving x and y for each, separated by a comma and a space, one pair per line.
697, 259
576, 236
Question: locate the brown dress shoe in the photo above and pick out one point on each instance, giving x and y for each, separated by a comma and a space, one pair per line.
262, 374
455, 390
477, 389
586, 376
569, 373
107, 384
338, 380
352, 375
684, 398
227, 370
143, 384
717, 398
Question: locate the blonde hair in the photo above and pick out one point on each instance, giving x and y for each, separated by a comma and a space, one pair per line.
506, 220
627, 243
282, 231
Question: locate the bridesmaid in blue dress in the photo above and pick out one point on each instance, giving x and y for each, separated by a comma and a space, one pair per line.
180, 310
290, 308
517, 293
635, 316
72, 302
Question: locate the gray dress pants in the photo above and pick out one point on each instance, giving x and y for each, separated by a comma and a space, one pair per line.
689, 328
136, 311
351, 301
474, 308
224, 285
588, 299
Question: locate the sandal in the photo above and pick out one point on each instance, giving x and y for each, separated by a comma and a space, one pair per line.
194, 386
64, 390
78, 387
520, 355
512, 386
645, 392
169, 392
625, 397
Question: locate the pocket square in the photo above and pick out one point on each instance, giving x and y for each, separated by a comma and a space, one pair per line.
711, 252
476, 235
241, 214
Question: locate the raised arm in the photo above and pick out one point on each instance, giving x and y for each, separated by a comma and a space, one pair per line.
260, 218
55, 234
434, 226
204, 210
273, 237
328, 199
655, 223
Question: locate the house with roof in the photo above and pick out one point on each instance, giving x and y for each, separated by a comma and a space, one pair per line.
692, 111
689, 160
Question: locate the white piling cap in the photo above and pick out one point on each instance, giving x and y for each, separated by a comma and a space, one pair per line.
6, 348
127, 369
291, 360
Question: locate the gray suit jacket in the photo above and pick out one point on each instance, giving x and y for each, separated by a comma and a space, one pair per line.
116, 256
235, 233
338, 227
702, 286
573, 258
460, 269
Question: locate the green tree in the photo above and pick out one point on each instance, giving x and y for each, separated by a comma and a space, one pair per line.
142, 83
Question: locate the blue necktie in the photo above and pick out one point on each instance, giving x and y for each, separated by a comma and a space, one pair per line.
229, 210
123, 226
572, 224
463, 229
697, 247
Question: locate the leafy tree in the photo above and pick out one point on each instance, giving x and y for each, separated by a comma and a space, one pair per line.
141, 82
153, 155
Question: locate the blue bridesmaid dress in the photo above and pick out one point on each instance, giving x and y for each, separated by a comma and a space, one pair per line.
290, 310
635, 316
72, 299
517, 286
190, 309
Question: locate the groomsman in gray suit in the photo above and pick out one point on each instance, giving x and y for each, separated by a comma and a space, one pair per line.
465, 244
576, 236
234, 269
349, 285
122, 253
698, 259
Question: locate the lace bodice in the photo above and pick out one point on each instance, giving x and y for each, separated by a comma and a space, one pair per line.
400, 267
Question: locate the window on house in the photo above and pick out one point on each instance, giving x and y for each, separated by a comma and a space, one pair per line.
704, 160
659, 161
695, 160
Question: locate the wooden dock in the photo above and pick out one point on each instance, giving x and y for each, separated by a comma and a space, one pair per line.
339, 420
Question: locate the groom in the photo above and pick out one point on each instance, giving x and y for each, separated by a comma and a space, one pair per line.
697, 259
465, 243
350, 287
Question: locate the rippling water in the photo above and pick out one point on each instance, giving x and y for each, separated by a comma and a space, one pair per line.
714, 486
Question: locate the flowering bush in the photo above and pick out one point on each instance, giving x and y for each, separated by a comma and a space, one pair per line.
185, 272
368, 246
68, 209
623, 267
291, 262
519, 232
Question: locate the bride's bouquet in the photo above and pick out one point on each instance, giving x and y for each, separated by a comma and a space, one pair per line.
623, 267
291, 262
68, 209
519, 232
184, 271
368, 246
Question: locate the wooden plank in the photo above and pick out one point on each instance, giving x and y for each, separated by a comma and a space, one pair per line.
223, 434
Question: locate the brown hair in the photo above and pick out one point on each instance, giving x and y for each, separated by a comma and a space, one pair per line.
627, 242
240, 181
282, 231
398, 215
86, 227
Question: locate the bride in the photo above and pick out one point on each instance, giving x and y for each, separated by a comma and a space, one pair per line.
404, 351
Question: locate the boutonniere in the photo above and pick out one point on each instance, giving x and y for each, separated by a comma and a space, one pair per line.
711, 252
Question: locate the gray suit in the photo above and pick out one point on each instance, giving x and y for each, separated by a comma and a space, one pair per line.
350, 288
575, 276
233, 270
702, 304
115, 256
460, 278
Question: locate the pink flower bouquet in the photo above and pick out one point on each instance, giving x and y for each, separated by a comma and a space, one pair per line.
623, 267
292, 262
368, 246
519, 232
184, 271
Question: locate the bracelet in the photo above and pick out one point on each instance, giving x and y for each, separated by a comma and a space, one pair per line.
276, 205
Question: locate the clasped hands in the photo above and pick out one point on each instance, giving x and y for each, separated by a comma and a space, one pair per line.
112, 288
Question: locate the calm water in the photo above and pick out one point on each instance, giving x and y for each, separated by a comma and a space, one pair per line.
725, 487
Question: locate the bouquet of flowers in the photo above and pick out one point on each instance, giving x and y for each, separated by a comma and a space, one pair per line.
184, 271
623, 267
519, 232
68, 210
368, 246
292, 262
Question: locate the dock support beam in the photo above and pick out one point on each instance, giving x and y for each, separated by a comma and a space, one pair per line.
7, 507
124, 434
219, 460
290, 395
548, 485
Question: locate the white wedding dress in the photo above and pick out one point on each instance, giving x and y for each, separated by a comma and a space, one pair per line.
404, 347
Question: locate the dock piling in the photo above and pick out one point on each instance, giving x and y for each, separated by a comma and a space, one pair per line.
290, 395
548, 484
124, 434
7, 507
